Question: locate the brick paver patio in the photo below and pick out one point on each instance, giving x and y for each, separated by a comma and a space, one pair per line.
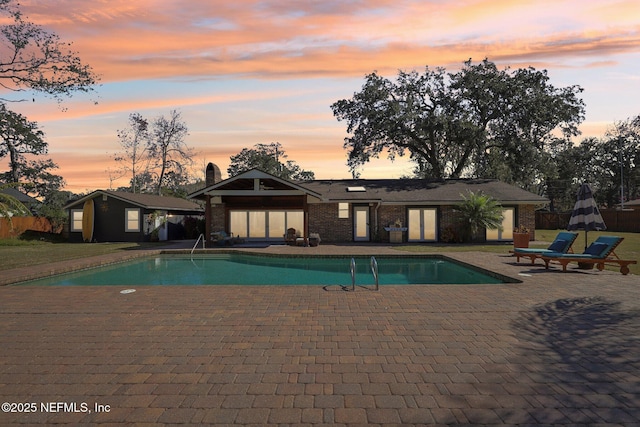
557, 349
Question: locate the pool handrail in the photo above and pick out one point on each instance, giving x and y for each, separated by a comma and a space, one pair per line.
374, 271
353, 274
201, 236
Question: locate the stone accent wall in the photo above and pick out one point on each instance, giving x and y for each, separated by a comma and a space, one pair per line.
323, 219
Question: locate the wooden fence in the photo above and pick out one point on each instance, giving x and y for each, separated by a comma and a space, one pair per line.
615, 220
22, 224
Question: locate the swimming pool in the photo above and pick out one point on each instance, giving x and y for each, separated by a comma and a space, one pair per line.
248, 269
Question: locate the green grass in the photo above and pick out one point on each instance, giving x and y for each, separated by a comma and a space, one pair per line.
628, 249
16, 253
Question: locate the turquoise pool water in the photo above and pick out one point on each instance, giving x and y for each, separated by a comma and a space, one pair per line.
244, 269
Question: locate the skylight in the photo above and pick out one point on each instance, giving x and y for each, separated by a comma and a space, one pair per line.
356, 189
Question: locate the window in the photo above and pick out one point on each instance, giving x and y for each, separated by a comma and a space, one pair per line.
265, 224
343, 210
508, 223
132, 220
76, 220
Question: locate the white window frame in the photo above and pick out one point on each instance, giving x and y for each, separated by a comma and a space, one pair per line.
76, 220
127, 220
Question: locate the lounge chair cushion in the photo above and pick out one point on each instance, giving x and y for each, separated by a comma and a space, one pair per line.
558, 246
596, 248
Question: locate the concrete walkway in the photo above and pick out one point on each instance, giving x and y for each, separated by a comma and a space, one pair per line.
556, 349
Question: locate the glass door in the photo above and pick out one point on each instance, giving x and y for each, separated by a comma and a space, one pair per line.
361, 223
422, 226
508, 223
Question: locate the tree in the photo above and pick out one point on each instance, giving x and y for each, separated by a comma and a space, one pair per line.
52, 208
266, 157
619, 161
20, 137
478, 212
34, 58
10, 206
608, 163
134, 141
479, 122
155, 154
169, 151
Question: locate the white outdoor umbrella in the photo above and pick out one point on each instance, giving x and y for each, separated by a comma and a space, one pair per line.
585, 215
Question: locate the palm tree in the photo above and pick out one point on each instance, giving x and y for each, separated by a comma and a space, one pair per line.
479, 211
10, 206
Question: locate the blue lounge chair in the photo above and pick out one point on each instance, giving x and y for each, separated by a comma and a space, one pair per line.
599, 253
561, 244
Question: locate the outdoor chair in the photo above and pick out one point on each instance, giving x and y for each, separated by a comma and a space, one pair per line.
599, 253
561, 244
290, 237
221, 238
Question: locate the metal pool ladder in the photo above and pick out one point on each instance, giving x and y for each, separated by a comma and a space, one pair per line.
353, 274
374, 271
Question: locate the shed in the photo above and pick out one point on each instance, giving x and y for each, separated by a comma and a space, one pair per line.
118, 216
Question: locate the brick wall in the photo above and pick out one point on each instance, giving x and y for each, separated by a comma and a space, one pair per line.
217, 219
323, 219
527, 218
387, 216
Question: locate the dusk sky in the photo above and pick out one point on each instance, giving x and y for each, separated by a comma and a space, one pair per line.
247, 72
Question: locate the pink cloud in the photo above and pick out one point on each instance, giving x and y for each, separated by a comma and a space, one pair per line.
281, 39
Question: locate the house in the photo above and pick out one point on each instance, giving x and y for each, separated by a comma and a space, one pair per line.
117, 216
258, 206
16, 225
29, 202
631, 204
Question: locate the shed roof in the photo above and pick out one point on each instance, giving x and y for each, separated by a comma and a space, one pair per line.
143, 200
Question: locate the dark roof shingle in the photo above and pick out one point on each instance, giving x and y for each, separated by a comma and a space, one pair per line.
420, 191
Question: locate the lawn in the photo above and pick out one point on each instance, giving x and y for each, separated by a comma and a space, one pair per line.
15, 253
628, 249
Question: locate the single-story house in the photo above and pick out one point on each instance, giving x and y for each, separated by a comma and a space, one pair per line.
29, 202
118, 216
631, 204
258, 206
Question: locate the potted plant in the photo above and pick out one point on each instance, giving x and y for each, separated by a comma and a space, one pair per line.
521, 237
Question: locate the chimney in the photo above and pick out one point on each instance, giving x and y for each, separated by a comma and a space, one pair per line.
212, 175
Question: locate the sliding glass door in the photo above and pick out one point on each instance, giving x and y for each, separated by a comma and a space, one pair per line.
508, 223
265, 225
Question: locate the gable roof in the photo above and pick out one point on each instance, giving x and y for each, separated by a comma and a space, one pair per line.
420, 191
146, 201
254, 182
